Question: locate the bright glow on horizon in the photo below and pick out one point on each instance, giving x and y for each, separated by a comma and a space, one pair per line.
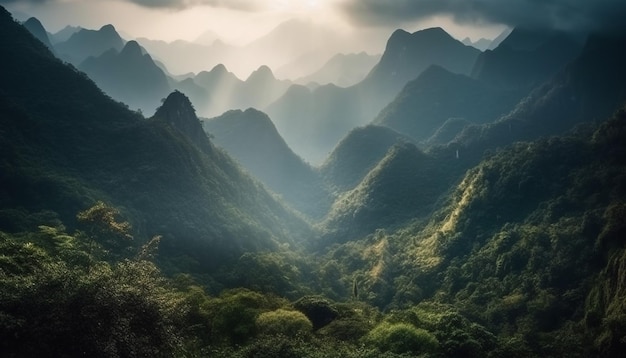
236, 27
233, 26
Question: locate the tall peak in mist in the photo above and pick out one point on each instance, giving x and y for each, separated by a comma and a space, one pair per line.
131, 50
108, 28
407, 55
85, 43
178, 112
219, 69
261, 75
34, 26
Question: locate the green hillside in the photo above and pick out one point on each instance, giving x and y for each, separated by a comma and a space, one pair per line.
357, 154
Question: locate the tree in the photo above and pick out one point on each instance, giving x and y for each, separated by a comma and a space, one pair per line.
283, 322
102, 225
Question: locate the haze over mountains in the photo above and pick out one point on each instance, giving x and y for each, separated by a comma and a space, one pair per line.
452, 202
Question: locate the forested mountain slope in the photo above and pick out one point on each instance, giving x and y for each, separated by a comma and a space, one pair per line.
67, 145
251, 138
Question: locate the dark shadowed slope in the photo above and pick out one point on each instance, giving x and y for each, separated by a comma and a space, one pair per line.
589, 88
34, 26
526, 58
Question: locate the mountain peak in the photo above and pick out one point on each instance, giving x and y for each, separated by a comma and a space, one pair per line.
33, 21
178, 111
263, 73
219, 69
34, 26
108, 28
398, 36
131, 49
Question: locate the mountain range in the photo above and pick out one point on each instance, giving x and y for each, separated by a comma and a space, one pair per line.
309, 119
462, 204
128, 75
68, 145
85, 43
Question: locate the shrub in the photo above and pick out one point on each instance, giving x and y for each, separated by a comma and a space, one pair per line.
318, 309
283, 322
402, 338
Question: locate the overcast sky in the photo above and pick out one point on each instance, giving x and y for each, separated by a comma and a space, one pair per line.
240, 21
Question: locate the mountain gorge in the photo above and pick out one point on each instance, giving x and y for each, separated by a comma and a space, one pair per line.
459, 203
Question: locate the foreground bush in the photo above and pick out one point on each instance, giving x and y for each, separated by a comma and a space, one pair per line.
402, 338
280, 321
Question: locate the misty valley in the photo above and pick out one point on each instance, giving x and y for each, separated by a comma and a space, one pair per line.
442, 198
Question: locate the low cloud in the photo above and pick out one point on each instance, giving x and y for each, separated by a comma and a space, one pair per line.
242, 5
564, 14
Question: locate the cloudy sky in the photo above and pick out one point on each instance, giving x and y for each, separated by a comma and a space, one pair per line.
240, 21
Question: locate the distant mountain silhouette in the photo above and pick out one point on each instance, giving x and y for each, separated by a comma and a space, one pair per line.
86, 43
259, 90
183, 56
357, 154
292, 39
34, 26
314, 123
221, 85
65, 145
207, 38
343, 70
129, 76
64, 34
481, 44
251, 138
281, 46
438, 95
526, 58
226, 91
407, 55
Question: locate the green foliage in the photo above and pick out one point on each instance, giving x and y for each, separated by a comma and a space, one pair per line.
318, 309
51, 307
234, 313
101, 222
355, 320
283, 322
402, 338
